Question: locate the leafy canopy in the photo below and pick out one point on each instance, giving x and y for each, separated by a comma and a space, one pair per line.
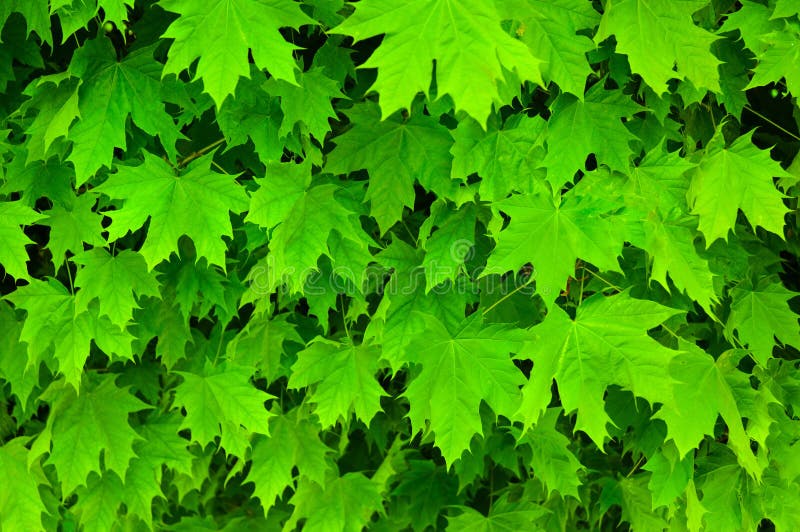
431, 265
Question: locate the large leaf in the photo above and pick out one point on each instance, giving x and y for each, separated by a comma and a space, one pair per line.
194, 204
221, 33
465, 39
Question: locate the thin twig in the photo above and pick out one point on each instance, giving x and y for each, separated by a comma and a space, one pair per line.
773, 124
192, 156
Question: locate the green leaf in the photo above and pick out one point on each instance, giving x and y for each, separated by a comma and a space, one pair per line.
343, 376
671, 474
785, 9
461, 367
507, 160
54, 321
346, 503
759, 314
606, 343
567, 229
450, 245
662, 42
284, 185
13, 257
306, 101
671, 243
72, 225
83, 428
21, 508
221, 33
98, 503
260, 344
637, 506
56, 100
115, 281
733, 178
471, 51
550, 457
294, 442
302, 237
221, 401
779, 59
194, 204
395, 153
549, 29
110, 91
703, 392
595, 125
252, 114
503, 515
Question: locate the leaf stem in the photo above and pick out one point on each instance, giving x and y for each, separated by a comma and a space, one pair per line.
608, 283
194, 155
69, 276
773, 124
635, 467
520, 287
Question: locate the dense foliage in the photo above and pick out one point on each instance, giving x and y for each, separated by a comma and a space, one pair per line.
404, 265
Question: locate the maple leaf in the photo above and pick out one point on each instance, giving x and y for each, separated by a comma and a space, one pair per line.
450, 245
294, 442
402, 312
110, 91
159, 448
56, 99
13, 358
636, 502
671, 474
578, 128
284, 185
662, 42
737, 177
99, 501
220, 34
461, 367
219, 401
162, 320
253, 114
703, 391
115, 281
785, 9
344, 378
346, 503
37, 17
260, 344
550, 457
307, 101
301, 238
115, 11
21, 508
51, 179
54, 321
761, 313
13, 257
606, 343
470, 48
395, 153
779, 58
671, 243
503, 515
549, 29
508, 159
82, 428
194, 204
552, 234
73, 224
